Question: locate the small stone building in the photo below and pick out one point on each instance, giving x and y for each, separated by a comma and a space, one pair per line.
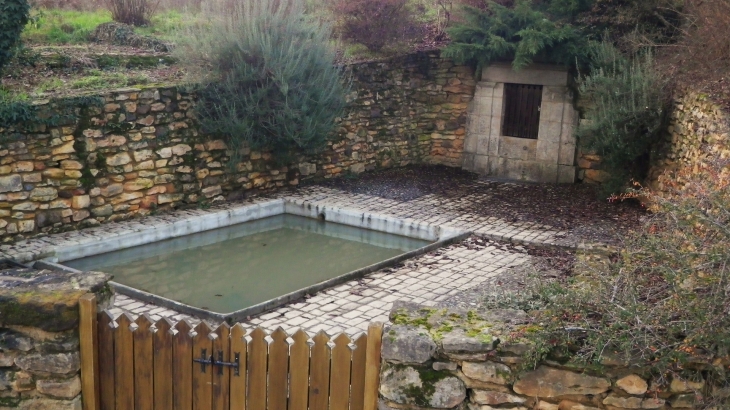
520, 125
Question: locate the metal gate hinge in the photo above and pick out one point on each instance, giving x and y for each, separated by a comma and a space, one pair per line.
206, 360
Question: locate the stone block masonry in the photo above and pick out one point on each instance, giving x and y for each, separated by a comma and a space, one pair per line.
496, 149
39, 338
698, 134
141, 150
408, 109
453, 359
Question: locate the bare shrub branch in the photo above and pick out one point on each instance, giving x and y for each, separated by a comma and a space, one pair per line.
134, 12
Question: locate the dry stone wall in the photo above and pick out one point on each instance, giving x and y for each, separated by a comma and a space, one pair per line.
453, 359
405, 110
698, 137
138, 151
39, 339
590, 170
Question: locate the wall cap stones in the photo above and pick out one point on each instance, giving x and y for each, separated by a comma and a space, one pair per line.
407, 345
46, 299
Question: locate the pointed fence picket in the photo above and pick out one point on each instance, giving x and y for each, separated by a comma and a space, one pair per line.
145, 365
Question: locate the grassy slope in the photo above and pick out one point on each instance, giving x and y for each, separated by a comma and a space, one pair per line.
56, 27
53, 26
50, 26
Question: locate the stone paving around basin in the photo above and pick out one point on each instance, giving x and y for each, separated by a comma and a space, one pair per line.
349, 308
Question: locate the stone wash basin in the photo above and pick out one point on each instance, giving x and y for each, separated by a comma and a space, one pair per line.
242, 261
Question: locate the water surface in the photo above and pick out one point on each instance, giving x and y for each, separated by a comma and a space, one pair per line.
232, 268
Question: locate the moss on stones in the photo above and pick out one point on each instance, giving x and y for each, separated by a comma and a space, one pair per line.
10, 402
440, 322
421, 395
51, 307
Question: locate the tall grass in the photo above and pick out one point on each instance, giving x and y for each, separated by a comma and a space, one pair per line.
59, 26
56, 26
167, 24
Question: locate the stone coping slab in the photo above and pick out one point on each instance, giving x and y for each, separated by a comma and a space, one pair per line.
47, 299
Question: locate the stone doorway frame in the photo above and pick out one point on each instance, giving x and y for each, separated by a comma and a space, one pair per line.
550, 157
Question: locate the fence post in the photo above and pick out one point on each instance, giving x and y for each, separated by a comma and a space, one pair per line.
89, 352
372, 365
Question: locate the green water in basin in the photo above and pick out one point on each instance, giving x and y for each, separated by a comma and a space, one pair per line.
232, 268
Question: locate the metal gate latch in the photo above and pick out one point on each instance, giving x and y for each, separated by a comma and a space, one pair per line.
206, 360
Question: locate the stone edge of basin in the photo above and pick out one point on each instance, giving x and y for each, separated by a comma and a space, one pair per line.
246, 213
440, 235
243, 314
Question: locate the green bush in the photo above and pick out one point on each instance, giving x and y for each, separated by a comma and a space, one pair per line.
13, 18
559, 31
529, 30
627, 105
273, 83
14, 109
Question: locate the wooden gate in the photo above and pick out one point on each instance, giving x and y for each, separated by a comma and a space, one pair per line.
141, 365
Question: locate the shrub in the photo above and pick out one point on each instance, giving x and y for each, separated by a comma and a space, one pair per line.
273, 82
665, 300
522, 32
626, 113
13, 18
702, 57
373, 23
134, 12
559, 30
635, 24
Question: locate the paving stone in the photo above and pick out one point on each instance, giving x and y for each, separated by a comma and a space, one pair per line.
456, 267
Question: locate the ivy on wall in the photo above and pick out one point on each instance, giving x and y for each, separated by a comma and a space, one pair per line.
17, 114
13, 18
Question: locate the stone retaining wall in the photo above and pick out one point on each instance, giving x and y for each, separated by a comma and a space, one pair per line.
140, 150
453, 359
590, 170
698, 136
39, 339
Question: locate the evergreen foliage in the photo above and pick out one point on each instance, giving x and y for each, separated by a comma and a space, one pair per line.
529, 30
559, 31
13, 18
274, 84
626, 113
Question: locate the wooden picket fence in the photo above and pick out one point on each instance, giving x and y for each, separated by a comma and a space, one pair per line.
141, 365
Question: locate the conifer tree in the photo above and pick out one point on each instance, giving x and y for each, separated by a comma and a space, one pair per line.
529, 30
